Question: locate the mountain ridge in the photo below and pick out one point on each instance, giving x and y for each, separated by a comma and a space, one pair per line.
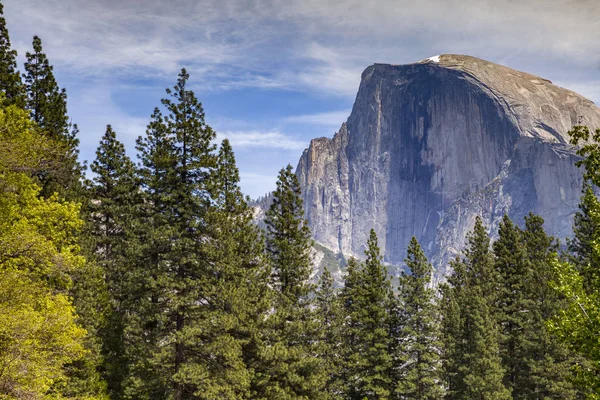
430, 145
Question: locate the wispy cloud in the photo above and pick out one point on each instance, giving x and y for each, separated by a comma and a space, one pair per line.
312, 45
263, 140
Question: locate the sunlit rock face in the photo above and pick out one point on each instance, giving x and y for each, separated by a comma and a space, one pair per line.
431, 145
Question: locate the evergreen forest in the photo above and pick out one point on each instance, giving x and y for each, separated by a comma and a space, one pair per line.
149, 279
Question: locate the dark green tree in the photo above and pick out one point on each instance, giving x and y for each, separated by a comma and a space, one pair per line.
452, 322
147, 325
513, 306
113, 230
177, 161
549, 362
236, 290
420, 331
289, 240
584, 232
475, 371
367, 361
330, 318
290, 368
10, 78
48, 106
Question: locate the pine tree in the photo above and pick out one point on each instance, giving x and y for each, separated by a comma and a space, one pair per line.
476, 371
177, 160
548, 361
584, 232
452, 324
146, 327
112, 238
48, 106
513, 306
290, 367
288, 239
419, 348
236, 290
367, 364
329, 312
10, 78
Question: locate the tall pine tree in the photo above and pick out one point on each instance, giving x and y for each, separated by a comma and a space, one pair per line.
48, 106
513, 305
112, 240
177, 160
330, 318
10, 78
368, 362
236, 289
419, 332
475, 370
549, 362
291, 368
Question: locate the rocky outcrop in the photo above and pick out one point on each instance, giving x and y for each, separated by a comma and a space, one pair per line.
428, 146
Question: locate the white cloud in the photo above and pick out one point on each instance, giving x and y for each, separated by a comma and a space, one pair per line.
331, 118
263, 140
312, 45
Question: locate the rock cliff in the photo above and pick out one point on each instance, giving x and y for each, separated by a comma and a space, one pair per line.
431, 145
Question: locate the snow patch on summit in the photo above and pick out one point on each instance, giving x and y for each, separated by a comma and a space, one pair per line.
435, 59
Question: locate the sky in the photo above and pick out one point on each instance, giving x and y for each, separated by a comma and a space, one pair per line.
274, 74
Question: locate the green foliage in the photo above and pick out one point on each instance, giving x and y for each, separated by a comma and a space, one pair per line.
513, 305
330, 319
10, 78
236, 289
419, 350
38, 331
111, 241
578, 323
48, 106
177, 158
288, 239
473, 366
367, 359
291, 368
585, 229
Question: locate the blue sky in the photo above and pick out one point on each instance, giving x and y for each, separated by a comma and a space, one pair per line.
273, 74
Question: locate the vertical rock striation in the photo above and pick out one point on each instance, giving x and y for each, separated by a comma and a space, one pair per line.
428, 146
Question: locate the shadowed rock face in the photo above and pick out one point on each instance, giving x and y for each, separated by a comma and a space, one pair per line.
429, 146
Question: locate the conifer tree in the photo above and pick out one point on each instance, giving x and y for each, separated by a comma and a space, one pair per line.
112, 239
584, 232
290, 368
549, 362
236, 290
10, 78
48, 106
476, 371
288, 238
513, 305
419, 332
146, 377
329, 312
452, 324
177, 160
367, 364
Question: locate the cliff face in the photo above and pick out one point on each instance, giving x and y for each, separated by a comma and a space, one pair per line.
428, 146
